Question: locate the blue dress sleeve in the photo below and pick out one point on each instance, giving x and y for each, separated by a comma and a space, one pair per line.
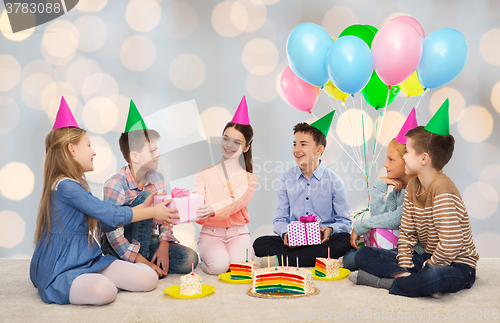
72, 193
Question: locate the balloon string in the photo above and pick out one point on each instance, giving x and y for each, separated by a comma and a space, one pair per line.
421, 96
348, 134
382, 114
356, 125
393, 124
358, 158
339, 144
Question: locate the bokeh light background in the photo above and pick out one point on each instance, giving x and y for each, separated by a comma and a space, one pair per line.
161, 53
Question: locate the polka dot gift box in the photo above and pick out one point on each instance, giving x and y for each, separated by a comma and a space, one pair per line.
304, 232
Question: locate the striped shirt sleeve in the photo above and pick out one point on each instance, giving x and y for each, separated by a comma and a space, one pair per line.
446, 215
408, 236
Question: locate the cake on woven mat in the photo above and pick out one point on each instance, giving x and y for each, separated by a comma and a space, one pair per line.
241, 270
190, 284
326, 267
283, 280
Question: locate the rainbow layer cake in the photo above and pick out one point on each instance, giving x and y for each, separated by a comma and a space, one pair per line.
190, 284
282, 280
241, 270
327, 267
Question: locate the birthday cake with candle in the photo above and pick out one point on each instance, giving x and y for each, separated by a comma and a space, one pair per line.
283, 280
326, 267
241, 270
190, 284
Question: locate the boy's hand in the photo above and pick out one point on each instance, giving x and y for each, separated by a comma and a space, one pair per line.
161, 257
205, 211
164, 214
285, 240
354, 237
140, 259
396, 182
149, 200
325, 233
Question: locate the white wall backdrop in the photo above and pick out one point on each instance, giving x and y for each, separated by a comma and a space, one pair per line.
160, 53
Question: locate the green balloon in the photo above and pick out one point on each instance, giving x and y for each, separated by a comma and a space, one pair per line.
375, 30
360, 31
375, 92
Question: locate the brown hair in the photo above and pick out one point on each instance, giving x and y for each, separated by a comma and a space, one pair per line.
135, 140
401, 148
58, 164
440, 148
247, 132
318, 137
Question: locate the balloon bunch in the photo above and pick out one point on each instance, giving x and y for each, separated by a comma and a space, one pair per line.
377, 63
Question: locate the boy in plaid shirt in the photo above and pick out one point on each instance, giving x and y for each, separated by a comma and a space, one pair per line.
138, 241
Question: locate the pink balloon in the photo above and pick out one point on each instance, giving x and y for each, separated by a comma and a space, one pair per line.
297, 93
412, 21
397, 50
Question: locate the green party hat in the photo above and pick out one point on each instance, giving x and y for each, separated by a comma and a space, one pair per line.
440, 122
134, 119
323, 123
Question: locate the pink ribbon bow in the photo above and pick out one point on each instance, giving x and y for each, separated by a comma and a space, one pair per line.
309, 218
180, 192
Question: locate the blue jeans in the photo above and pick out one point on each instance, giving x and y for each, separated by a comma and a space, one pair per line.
180, 257
422, 281
348, 260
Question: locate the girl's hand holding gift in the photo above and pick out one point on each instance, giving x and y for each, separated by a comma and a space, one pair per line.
205, 211
164, 214
354, 238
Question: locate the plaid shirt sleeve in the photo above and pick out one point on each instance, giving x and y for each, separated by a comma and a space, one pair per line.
126, 250
166, 233
114, 193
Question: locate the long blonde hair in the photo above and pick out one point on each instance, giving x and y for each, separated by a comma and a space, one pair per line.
58, 164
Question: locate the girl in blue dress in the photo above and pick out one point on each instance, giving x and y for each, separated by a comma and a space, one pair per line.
67, 264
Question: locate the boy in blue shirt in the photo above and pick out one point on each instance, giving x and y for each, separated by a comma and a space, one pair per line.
310, 188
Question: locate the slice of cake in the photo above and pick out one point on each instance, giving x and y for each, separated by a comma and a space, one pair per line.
190, 284
241, 270
283, 280
327, 268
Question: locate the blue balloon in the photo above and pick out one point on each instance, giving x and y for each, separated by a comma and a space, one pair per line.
306, 50
349, 63
444, 57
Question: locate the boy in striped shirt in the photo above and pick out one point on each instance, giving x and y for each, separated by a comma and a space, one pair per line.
435, 215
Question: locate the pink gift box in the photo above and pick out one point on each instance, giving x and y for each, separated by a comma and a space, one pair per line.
305, 232
382, 238
186, 203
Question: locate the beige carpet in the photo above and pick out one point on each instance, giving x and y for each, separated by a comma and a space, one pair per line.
20, 302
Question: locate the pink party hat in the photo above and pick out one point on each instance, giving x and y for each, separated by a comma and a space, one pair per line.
241, 115
64, 117
410, 123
